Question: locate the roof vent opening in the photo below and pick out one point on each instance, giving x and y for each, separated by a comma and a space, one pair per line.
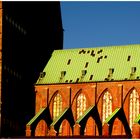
110, 75
132, 74
77, 80
106, 79
98, 60
133, 69
82, 51
83, 73
129, 57
111, 70
92, 53
86, 65
68, 61
63, 73
42, 74
100, 51
138, 77
91, 77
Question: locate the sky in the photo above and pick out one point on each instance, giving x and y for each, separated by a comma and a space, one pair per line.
96, 24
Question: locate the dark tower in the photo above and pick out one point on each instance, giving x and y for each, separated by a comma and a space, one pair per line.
31, 31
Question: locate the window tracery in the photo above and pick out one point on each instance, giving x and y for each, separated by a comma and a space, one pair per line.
81, 105
133, 107
107, 105
57, 109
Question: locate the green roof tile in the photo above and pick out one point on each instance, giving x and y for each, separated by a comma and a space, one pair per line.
96, 62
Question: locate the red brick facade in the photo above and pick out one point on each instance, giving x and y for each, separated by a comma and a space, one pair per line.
93, 92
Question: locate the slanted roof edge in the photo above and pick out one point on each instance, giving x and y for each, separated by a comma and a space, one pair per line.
112, 115
85, 113
137, 119
36, 116
56, 120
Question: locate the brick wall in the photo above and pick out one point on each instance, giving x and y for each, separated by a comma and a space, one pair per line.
94, 94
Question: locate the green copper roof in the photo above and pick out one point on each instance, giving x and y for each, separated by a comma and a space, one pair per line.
92, 64
112, 115
36, 116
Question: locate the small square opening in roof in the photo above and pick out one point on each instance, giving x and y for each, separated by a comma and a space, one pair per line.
91, 76
129, 57
77, 80
86, 65
84, 72
111, 70
42, 74
63, 73
98, 60
68, 61
92, 53
100, 51
101, 57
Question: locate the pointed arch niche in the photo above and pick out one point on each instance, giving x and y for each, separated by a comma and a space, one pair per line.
91, 128
107, 106
133, 107
118, 128
41, 129
66, 129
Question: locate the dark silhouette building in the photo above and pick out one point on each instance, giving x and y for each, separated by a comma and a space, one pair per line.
31, 31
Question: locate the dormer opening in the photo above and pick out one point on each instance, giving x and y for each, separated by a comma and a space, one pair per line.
83, 73
63, 73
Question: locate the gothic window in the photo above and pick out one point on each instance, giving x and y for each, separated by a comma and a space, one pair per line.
133, 107
107, 105
81, 105
57, 106
57, 109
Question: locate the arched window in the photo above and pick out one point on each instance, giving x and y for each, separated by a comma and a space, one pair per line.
57, 109
57, 106
107, 105
133, 107
81, 105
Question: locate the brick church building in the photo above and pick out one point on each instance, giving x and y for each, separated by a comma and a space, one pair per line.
90, 92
